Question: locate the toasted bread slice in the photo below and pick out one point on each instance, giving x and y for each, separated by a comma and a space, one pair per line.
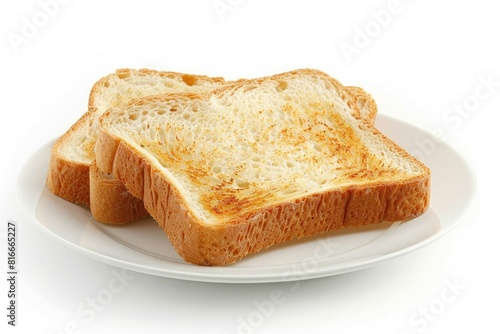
73, 153
257, 163
111, 203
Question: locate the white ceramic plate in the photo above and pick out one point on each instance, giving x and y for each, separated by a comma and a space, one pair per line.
143, 247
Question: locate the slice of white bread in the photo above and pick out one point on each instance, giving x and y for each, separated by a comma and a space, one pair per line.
257, 163
111, 203
73, 153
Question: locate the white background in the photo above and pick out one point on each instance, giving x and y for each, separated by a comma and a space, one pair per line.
428, 56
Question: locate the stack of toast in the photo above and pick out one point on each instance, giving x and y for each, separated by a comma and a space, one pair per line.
229, 168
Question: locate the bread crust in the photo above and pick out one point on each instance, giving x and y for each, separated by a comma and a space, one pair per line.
232, 239
67, 178
111, 202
